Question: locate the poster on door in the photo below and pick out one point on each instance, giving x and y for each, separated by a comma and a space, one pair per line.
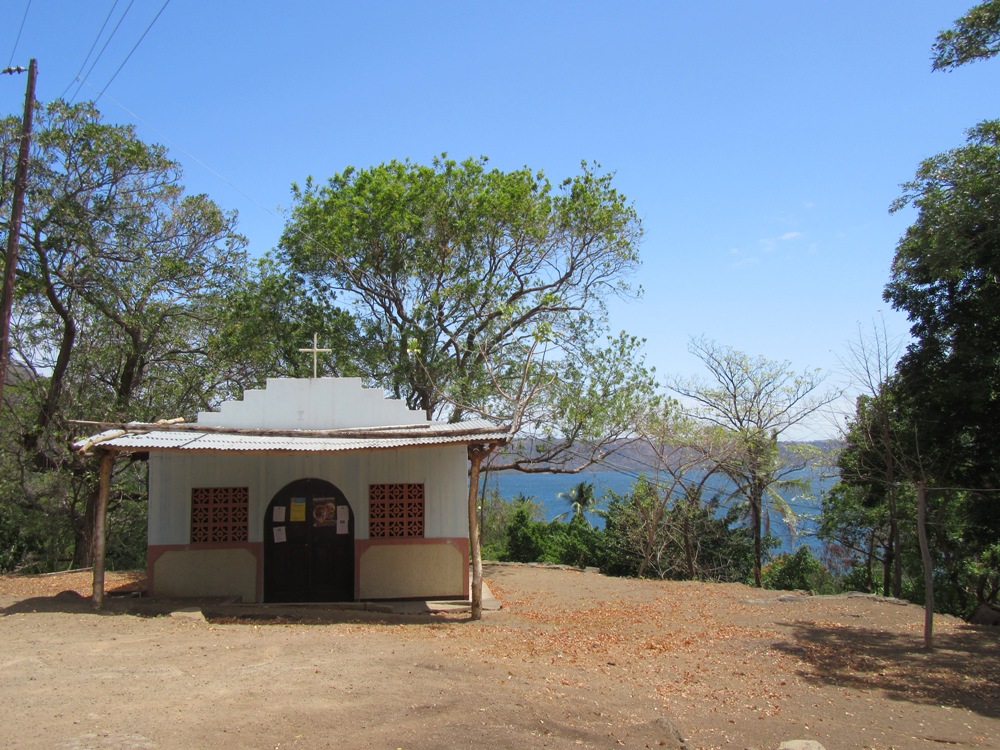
343, 517
324, 511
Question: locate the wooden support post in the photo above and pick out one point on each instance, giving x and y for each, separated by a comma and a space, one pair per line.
100, 525
476, 455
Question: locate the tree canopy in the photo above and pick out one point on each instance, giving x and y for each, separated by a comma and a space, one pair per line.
120, 279
975, 36
946, 278
753, 400
482, 291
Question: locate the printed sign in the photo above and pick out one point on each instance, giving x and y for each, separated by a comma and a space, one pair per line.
298, 510
343, 517
279, 534
279, 514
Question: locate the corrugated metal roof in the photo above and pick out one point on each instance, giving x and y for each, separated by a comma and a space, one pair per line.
435, 433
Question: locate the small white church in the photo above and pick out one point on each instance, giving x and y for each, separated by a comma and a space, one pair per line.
309, 490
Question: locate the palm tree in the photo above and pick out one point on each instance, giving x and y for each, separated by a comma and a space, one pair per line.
581, 499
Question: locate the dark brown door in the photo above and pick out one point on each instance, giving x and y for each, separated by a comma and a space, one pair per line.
309, 544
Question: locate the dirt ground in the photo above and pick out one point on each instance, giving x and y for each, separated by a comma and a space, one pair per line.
573, 660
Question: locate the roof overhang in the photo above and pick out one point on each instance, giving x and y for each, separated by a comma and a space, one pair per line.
164, 437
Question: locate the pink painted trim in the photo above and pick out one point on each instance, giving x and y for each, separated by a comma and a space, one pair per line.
154, 552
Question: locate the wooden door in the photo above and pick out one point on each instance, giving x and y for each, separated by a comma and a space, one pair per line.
309, 544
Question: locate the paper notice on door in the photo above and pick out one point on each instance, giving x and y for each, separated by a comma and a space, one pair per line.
279, 535
343, 516
279, 514
298, 510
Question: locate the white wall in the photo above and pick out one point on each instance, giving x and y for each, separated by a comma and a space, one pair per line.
441, 469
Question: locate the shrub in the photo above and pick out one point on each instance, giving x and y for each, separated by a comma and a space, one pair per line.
799, 571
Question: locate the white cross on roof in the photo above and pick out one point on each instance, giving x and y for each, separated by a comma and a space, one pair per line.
315, 352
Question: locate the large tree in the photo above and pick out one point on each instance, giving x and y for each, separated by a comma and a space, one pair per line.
482, 291
754, 401
120, 279
946, 278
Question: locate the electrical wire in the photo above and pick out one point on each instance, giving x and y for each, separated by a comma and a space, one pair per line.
99, 54
89, 52
188, 154
129, 55
18, 39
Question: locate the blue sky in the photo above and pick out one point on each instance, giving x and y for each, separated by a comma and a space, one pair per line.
761, 142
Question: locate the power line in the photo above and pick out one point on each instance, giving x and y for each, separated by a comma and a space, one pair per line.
191, 156
18, 39
99, 54
90, 52
162, 8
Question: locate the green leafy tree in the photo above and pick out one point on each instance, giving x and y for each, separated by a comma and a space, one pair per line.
483, 292
496, 517
266, 319
975, 36
856, 513
576, 543
120, 278
447, 266
573, 407
946, 277
854, 518
529, 539
753, 401
525, 534
477, 290
633, 538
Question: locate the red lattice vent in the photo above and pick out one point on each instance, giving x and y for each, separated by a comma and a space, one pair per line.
219, 514
395, 510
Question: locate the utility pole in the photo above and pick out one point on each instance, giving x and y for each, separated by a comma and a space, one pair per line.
14, 232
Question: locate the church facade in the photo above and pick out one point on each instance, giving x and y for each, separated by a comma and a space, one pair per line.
309, 490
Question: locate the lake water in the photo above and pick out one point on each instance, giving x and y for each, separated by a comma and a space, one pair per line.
546, 488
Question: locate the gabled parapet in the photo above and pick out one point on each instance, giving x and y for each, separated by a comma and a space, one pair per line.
312, 404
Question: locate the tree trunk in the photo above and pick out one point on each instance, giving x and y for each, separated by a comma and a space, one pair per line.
870, 559
83, 530
887, 570
688, 546
925, 554
755, 523
897, 558
84, 526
